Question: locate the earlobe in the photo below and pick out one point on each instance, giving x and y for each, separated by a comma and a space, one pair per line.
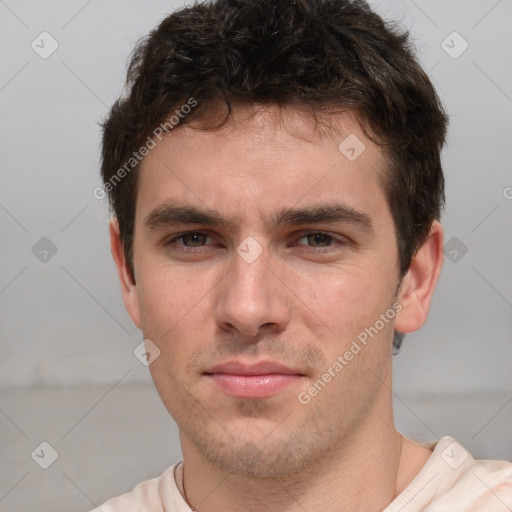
128, 287
418, 284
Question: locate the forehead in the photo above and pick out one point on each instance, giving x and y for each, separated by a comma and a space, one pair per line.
263, 160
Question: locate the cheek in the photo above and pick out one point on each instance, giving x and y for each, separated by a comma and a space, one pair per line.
343, 307
166, 300
169, 292
343, 297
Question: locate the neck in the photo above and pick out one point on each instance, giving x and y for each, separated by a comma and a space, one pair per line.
366, 474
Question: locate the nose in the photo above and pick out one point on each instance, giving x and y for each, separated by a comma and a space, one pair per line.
252, 298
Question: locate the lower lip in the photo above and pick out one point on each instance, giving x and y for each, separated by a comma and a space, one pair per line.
253, 386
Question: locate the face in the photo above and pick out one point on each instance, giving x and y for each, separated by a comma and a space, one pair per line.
266, 269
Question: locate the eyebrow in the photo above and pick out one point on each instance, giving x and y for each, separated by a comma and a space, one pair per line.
172, 214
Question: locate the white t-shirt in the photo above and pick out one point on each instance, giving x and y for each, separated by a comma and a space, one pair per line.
451, 480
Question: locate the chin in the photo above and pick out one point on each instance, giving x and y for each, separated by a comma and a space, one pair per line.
271, 457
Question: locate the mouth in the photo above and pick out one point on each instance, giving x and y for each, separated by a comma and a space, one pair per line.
261, 380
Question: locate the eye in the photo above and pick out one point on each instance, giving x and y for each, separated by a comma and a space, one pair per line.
318, 240
193, 239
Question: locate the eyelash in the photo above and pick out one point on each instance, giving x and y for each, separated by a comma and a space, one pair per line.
184, 248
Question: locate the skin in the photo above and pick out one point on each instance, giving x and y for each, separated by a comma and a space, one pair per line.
301, 303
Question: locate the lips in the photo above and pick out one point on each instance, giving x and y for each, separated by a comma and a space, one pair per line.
261, 368
260, 380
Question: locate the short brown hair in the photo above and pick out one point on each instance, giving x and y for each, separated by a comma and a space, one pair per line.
325, 55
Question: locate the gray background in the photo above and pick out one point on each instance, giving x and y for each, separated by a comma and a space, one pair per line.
68, 375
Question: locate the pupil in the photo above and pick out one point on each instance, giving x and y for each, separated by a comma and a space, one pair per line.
320, 239
193, 239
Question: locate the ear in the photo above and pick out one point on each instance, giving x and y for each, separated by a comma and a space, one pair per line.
128, 287
420, 281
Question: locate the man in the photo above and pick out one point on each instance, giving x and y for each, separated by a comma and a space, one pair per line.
274, 173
